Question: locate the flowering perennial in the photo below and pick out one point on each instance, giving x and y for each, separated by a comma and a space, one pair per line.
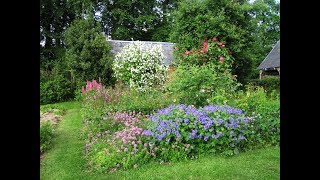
211, 51
91, 85
206, 125
140, 65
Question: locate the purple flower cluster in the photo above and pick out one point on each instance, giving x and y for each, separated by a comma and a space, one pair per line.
204, 123
162, 129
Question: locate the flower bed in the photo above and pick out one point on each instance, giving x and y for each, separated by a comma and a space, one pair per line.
124, 140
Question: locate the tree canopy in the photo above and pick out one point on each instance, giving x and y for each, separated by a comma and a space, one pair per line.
249, 29
242, 26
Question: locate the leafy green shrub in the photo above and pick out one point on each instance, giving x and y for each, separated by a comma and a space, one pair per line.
140, 66
265, 109
267, 125
56, 90
203, 85
200, 19
46, 135
56, 75
269, 83
204, 75
144, 102
88, 53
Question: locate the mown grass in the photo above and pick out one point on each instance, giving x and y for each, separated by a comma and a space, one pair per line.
65, 160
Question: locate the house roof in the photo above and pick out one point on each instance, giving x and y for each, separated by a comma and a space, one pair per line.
273, 58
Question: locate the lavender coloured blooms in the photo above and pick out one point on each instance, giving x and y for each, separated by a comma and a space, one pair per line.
241, 137
231, 133
186, 121
169, 123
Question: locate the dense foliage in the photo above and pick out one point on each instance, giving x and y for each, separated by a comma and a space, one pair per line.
46, 135
204, 75
199, 86
88, 54
265, 107
249, 29
140, 20
55, 16
238, 23
54, 90
269, 83
145, 102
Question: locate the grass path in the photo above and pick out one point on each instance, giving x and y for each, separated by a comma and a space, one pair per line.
65, 160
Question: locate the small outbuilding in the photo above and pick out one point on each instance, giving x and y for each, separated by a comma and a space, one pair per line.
271, 64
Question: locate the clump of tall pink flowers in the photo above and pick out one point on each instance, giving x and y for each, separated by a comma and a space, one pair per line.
91, 85
97, 90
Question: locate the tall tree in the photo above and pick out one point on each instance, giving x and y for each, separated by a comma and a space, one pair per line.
232, 21
163, 25
266, 19
55, 16
125, 19
88, 54
140, 20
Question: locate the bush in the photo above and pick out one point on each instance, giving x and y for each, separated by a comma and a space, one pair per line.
56, 90
183, 131
88, 53
211, 52
140, 66
194, 85
269, 83
145, 102
266, 111
200, 19
204, 75
46, 135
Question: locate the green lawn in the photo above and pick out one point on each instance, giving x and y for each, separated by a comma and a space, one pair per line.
65, 160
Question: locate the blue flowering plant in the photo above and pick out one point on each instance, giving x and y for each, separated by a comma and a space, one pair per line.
211, 129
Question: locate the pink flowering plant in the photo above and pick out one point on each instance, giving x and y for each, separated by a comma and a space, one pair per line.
211, 51
204, 75
94, 97
118, 142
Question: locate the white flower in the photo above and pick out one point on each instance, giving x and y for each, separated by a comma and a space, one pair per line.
142, 63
